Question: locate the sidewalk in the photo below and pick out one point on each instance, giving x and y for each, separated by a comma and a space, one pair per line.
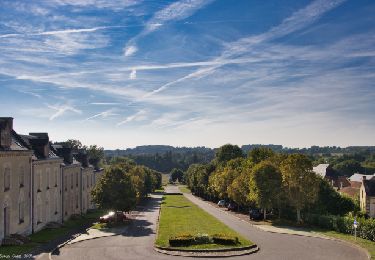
93, 233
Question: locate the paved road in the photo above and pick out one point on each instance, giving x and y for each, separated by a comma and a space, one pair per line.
138, 242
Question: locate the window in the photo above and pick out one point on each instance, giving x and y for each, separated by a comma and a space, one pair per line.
22, 176
48, 178
87, 177
76, 201
71, 181
83, 184
39, 180
39, 214
56, 176
76, 179
56, 203
6, 178
21, 211
65, 182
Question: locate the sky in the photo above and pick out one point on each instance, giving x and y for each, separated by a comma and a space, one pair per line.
122, 73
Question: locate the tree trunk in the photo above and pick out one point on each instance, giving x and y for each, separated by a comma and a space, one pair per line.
264, 214
298, 215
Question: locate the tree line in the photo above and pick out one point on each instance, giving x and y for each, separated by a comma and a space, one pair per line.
271, 181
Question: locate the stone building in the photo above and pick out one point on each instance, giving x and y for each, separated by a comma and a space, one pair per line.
46, 181
71, 182
367, 196
88, 180
15, 182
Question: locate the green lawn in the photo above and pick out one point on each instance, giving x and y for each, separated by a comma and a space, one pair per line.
181, 216
47, 235
184, 189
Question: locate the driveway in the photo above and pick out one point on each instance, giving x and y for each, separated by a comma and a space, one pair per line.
137, 242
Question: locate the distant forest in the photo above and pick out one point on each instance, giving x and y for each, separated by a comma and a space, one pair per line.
164, 158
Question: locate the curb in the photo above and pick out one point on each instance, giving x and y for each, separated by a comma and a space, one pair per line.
209, 253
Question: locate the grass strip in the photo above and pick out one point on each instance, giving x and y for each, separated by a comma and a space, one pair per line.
49, 234
180, 216
184, 189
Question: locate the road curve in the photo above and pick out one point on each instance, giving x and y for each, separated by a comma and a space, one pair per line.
138, 242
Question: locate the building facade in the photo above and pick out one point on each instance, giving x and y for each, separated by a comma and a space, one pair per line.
46, 181
15, 182
367, 196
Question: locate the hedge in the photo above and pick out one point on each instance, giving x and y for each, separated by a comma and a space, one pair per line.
365, 229
188, 239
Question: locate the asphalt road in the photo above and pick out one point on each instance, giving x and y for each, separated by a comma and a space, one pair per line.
138, 242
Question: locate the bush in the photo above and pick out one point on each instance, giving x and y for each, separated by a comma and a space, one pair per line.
201, 239
181, 240
223, 239
365, 230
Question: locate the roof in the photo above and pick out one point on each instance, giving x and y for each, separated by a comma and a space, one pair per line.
321, 169
369, 187
36, 154
18, 143
350, 191
356, 184
359, 177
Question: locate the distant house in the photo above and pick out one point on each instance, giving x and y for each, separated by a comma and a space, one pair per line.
367, 196
322, 169
359, 177
326, 172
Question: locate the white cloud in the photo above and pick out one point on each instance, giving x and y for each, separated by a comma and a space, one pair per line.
130, 50
133, 74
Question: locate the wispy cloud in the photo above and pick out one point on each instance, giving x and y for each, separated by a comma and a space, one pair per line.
176, 11
135, 117
104, 114
133, 74
295, 22
61, 110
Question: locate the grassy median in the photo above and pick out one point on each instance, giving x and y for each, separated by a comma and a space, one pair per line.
179, 216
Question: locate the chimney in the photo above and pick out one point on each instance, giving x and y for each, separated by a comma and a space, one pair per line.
364, 177
40, 144
6, 127
66, 153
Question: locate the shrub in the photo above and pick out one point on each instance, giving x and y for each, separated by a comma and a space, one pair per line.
181, 240
201, 239
223, 239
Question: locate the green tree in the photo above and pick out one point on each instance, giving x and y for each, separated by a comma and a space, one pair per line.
228, 152
259, 154
115, 190
348, 167
96, 154
177, 174
265, 186
301, 183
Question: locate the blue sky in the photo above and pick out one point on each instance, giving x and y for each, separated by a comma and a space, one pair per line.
123, 73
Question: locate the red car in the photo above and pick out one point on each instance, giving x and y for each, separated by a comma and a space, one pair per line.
113, 216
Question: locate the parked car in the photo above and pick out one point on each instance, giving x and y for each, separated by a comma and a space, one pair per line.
221, 203
113, 216
255, 214
232, 206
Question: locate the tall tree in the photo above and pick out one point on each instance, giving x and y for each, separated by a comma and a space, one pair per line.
300, 181
265, 186
115, 190
228, 152
96, 154
177, 174
259, 154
